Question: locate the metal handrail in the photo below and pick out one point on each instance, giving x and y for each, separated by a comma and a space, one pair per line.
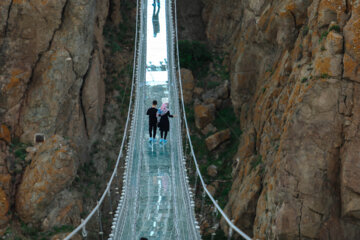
229, 222
185, 185
107, 189
96, 208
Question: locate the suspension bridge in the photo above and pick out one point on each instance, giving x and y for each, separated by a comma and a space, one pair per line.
156, 201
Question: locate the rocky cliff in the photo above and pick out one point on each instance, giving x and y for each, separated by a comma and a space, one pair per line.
294, 84
294, 71
53, 68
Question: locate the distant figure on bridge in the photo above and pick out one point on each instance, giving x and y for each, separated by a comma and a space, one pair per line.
155, 18
164, 123
152, 112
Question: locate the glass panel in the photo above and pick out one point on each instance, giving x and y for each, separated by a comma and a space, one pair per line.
157, 203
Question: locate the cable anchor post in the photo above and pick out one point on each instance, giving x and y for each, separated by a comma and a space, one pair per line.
230, 231
110, 202
117, 192
195, 184
101, 232
84, 233
202, 202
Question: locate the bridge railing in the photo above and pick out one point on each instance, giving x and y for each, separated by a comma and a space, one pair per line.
96, 211
198, 174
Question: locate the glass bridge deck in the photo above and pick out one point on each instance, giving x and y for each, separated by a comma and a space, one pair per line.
157, 202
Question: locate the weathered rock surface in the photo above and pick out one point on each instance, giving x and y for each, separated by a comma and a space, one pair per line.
48, 60
212, 170
211, 189
4, 208
294, 76
6, 186
5, 134
64, 210
208, 129
215, 140
217, 94
188, 84
189, 20
61, 236
41, 192
51, 82
93, 97
204, 114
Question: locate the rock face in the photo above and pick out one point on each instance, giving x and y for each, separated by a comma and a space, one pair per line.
5, 134
6, 185
52, 170
48, 59
212, 170
215, 140
51, 82
294, 76
4, 208
204, 114
188, 85
190, 25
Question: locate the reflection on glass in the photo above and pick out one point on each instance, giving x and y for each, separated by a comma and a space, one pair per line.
156, 56
155, 17
161, 67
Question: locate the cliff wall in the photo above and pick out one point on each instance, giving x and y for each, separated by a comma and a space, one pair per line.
52, 81
294, 71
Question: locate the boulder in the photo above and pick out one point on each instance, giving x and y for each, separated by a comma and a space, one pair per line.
217, 139
326, 16
328, 62
93, 96
5, 133
219, 93
198, 91
211, 189
65, 210
204, 114
223, 91
212, 171
4, 208
188, 84
52, 169
334, 43
209, 129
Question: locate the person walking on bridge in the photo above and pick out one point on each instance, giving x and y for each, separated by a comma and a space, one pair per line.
164, 123
152, 112
155, 18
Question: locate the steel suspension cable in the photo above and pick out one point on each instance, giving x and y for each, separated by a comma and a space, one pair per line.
107, 189
229, 222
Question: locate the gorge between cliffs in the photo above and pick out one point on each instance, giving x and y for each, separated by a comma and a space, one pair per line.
272, 94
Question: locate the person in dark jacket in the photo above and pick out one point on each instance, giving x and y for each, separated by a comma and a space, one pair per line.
152, 112
164, 123
155, 18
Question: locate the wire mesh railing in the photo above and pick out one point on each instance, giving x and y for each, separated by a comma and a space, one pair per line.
96, 211
122, 227
198, 174
176, 93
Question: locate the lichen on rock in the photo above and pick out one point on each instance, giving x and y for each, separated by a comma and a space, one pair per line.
51, 171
